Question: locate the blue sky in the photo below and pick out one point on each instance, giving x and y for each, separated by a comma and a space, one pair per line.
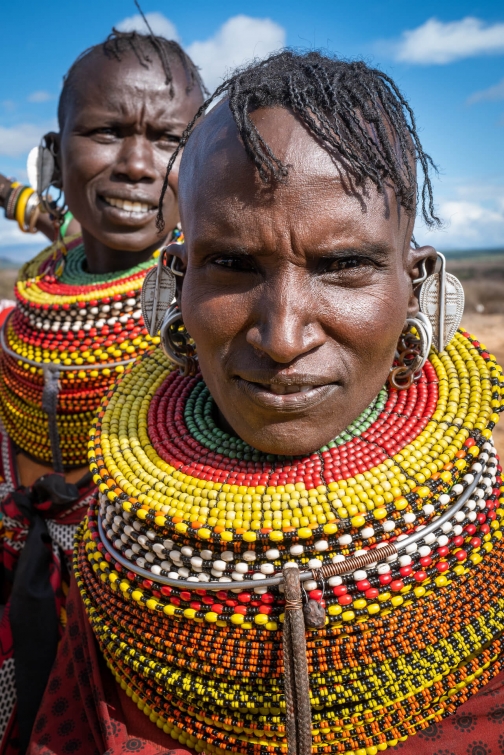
447, 58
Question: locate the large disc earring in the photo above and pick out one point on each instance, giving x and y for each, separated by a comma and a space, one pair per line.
441, 300
176, 342
412, 352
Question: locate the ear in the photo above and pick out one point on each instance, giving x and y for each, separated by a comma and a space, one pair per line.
178, 251
180, 264
414, 267
52, 141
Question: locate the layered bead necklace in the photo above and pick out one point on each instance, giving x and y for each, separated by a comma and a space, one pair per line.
405, 641
89, 326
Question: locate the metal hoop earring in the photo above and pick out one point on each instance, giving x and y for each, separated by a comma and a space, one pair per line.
176, 342
412, 352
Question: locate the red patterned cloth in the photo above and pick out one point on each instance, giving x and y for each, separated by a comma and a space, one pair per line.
83, 712
22, 511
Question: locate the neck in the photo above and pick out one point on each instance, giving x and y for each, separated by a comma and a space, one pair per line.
103, 259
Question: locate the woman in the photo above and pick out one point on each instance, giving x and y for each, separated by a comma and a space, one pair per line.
288, 459
77, 324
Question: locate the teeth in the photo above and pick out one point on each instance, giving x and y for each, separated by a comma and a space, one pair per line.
124, 204
283, 390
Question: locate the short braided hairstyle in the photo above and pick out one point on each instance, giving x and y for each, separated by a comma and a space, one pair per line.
120, 43
357, 113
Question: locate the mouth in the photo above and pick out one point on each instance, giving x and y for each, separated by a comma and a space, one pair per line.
134, 209
286, 395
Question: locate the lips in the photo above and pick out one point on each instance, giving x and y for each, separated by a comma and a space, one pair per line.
284, 390
129, 206
127, 210
285, 397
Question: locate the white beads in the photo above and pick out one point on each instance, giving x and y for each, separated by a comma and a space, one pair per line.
296, 550
321, 545
272, 554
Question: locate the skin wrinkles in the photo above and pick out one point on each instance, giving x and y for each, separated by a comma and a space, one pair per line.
294, 293
119, 131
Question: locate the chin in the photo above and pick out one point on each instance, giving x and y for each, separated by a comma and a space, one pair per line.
286, 439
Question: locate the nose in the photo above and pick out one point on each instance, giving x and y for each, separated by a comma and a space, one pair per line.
135, 162
285, 323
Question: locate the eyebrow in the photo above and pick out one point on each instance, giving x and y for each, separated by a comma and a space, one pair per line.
377, 250
374, 249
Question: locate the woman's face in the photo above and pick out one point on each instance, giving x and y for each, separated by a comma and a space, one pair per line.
294, 294
119, 132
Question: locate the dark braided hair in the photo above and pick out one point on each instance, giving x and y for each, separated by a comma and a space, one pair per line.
356, 112
120, 43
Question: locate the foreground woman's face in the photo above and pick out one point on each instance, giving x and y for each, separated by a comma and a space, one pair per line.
295, 295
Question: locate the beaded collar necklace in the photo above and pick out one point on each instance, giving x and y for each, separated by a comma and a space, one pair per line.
405, 640
70, 335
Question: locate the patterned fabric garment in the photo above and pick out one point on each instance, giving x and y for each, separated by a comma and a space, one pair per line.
29, 515
82, 714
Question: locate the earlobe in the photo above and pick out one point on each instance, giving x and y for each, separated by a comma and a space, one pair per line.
179, 251
420, 264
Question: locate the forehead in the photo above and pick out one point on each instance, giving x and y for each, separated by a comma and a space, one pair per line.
220, 187
124, 87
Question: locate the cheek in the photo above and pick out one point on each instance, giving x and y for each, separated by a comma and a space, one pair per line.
212, 320
367, 322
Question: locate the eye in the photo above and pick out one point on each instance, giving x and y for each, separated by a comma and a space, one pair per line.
347, 263
236, 262
104, 133
170, 139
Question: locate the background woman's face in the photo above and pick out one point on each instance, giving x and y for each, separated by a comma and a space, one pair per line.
294, 294
120, 130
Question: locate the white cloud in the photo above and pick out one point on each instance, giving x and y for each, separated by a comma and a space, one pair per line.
239, 40
473, 219
495, 92
39, 96
18, 140
159, 24
435, 42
